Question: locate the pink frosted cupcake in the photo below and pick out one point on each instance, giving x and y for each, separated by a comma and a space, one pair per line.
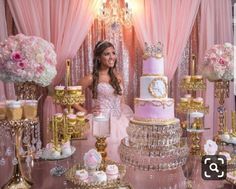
92, 160
82, 175
112, 172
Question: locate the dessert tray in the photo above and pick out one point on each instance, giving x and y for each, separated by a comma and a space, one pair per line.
47, 155
116, 183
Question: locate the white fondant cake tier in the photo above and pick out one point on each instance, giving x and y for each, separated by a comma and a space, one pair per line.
153, 109
153, 66
153, 87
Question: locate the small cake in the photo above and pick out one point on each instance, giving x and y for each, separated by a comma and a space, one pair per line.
196, 114
71, 119
66, 149
233, 139
99, 176
198, 101
92, 160
55, 154
30, 109
226, 154
59, 88
80, 116
112, 172
225, 137
82, 175
14, 110
72, 88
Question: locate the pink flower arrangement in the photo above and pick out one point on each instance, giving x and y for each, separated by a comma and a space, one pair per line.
27, 58
218, 62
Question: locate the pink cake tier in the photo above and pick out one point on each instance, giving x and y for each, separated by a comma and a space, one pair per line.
154, 109
152, 66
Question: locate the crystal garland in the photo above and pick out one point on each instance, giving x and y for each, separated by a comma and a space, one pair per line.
31, 143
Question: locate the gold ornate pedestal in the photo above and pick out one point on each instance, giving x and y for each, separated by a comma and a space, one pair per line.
18, 181
221, 90
101, 148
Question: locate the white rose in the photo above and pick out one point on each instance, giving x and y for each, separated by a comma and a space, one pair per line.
40, 58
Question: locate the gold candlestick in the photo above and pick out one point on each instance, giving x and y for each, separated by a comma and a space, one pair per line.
233, 115
101, 146
193, 65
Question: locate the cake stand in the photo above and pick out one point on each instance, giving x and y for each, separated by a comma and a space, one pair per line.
58, 170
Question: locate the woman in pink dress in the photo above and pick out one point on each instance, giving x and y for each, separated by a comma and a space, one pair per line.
107, 90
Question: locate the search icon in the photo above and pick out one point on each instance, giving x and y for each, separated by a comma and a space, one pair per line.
214, 167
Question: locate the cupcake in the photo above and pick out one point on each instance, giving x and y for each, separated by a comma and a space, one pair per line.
66, 149
30, 109
112, 172
82, 175
99, 176
92, 160
14, 110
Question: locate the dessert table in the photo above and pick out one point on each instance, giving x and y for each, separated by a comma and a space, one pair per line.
174, 179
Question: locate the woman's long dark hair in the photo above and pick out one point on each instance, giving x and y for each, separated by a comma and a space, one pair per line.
99, 49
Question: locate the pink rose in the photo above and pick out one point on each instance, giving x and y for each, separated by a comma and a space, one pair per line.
22, 64
16, 56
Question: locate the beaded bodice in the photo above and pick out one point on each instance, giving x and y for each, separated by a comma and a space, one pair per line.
107, 100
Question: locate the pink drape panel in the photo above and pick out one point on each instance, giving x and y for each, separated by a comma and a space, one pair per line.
63, 22
215, 28
7, 90
167, 21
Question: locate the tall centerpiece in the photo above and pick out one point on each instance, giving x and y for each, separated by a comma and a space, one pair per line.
218, 68
24, 59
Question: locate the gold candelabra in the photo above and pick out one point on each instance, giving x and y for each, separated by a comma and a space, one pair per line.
192, 105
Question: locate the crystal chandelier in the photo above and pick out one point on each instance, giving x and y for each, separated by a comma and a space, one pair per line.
115, 16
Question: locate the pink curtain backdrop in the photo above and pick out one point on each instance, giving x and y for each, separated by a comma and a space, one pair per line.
64, 23
7, 90
215, 28
167, 21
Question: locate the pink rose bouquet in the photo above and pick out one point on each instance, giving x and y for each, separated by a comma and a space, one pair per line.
218, 62
27, 58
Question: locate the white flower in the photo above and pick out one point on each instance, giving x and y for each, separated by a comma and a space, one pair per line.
210, 147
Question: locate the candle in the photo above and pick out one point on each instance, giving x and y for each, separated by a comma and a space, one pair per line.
225, 121
233, 115
67, 72
101, 126
193, 66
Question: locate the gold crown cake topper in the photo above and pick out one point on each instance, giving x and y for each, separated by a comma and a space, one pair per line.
153, 50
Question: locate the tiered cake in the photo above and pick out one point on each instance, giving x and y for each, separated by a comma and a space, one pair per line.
154, 134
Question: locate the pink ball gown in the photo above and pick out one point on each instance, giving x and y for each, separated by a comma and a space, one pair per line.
120, 115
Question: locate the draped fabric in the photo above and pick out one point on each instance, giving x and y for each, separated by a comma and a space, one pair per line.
64, 23
215, 28
7, 90
167, 21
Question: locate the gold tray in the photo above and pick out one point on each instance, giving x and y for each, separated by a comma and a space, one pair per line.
117, 183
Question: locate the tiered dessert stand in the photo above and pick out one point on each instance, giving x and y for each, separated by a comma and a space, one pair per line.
65, 125
193, 107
